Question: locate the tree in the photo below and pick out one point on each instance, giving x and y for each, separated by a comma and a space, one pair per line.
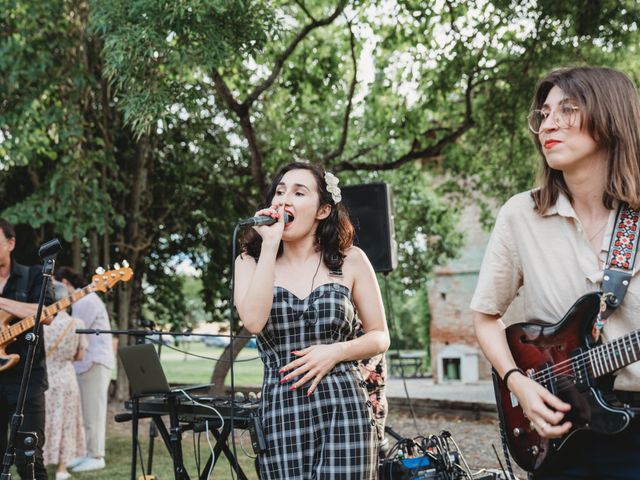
144, 129
74, 165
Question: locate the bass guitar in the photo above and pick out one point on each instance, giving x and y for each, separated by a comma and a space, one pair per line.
101, 282
565, 359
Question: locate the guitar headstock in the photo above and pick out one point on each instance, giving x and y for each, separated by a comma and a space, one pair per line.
104, 280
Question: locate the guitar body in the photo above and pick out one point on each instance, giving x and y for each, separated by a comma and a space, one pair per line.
6, 360
554, 356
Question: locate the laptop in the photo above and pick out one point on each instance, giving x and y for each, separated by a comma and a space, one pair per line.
144, 370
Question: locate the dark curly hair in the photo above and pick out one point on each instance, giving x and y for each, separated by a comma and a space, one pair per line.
334, 234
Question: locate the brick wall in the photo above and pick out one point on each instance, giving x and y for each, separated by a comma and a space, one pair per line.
450, 294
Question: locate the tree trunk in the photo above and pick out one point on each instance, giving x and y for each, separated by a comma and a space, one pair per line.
121, 392
222, 366
133, 238
76, 254
94, 251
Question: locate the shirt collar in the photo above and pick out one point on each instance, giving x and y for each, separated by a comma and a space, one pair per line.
562, 207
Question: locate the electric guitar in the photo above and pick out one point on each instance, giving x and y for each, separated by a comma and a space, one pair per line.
566, 360
100, 282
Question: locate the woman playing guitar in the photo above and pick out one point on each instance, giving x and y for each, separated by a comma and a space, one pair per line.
550, 246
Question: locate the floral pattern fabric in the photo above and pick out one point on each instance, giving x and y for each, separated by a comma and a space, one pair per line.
374, 372
64, 429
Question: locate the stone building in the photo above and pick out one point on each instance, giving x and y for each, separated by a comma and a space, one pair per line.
450, 294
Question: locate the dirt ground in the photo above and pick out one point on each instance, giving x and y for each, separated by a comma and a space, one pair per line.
475, 439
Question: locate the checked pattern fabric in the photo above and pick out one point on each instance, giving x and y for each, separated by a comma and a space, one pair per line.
330, 434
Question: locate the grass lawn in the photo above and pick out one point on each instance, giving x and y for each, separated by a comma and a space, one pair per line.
118, 458
185, 369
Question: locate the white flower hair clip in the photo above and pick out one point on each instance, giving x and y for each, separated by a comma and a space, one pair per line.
332, 187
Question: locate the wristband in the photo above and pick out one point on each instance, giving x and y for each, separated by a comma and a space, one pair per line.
513, 370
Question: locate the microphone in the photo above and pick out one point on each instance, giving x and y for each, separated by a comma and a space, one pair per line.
261, 220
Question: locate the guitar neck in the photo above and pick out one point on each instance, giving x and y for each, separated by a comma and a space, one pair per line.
18, 328
609, 357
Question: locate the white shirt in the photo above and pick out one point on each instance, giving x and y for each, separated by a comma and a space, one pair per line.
93, 313
549, 261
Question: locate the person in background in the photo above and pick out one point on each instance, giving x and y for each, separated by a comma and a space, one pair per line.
93, 371
550, 245
64, 425
298, 285
19, 295
374, 372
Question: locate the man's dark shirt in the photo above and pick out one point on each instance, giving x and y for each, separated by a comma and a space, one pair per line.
10, 379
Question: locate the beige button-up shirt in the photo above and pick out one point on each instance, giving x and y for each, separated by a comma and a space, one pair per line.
548, 260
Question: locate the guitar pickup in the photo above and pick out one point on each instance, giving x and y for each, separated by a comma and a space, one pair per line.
580, 375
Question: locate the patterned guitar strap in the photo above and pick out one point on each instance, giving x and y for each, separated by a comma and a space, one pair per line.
618, 268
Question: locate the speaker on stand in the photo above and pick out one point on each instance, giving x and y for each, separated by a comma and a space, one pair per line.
370, 208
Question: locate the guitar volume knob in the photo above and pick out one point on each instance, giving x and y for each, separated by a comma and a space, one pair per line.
534, 450
516, 432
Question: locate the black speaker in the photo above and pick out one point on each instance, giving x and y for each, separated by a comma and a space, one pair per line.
370, 209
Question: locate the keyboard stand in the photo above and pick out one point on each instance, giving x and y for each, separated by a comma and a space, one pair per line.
172, 439
222, 446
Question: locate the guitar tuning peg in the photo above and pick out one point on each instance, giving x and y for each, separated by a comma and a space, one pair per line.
100, 270
125, 264
116, 266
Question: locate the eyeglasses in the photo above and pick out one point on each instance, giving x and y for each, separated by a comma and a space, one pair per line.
564, 117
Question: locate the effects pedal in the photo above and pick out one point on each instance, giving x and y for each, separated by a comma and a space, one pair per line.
417, 468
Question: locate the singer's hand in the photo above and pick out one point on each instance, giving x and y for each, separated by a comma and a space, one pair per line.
312, 364
271, 234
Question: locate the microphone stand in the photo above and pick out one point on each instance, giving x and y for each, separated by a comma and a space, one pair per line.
28, 441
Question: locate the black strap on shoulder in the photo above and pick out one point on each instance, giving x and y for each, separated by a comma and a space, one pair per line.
623, 249
22, 288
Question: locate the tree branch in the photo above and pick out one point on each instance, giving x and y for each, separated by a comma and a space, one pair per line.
347, 113
242, 109
363, 151
416, 152
223, 90
305, 10
253, 96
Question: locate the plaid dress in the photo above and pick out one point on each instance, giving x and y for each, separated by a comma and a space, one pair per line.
330, 435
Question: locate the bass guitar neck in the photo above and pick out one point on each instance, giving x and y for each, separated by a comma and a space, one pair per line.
9, 332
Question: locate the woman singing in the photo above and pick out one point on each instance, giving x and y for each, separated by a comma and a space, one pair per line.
298, 286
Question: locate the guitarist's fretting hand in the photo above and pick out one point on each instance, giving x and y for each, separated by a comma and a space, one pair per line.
544, 410
22, 309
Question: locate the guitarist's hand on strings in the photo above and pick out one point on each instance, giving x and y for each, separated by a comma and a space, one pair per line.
544, 410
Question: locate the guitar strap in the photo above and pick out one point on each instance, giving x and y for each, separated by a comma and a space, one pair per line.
22, 287
618, 270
